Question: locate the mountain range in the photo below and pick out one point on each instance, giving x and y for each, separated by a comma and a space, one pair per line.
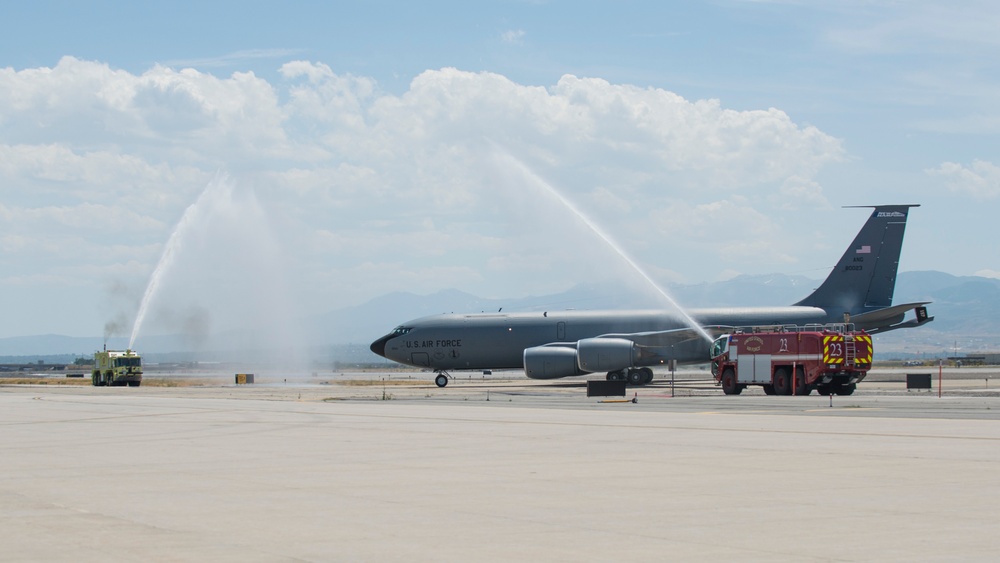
966, 311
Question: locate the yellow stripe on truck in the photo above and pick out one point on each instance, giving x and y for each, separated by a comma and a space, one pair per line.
867, 340
836, 343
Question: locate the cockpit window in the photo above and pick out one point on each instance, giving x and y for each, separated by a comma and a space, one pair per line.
400, 330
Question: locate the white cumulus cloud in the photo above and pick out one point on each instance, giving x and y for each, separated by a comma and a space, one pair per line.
369, 192
515, 36
979, 180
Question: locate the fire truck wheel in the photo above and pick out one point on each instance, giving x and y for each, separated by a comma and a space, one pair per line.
769, 389
823, 389
729, 385
801, 387
782, 382
845, 389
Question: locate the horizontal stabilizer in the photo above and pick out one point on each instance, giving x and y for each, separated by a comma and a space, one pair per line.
891, 318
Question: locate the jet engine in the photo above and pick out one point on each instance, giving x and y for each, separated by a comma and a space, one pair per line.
550, 362
606, 354
590, 355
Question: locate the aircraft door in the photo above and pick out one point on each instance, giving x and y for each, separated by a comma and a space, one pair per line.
420, 359
560, 332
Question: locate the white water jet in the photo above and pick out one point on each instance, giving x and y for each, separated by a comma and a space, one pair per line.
580, 215
218, 187
221, 284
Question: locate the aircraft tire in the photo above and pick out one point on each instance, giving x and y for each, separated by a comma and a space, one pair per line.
729, 385
782, 382
616, 376
636, 377
441, 380
647, 376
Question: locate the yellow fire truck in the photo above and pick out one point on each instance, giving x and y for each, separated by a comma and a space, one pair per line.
116, 368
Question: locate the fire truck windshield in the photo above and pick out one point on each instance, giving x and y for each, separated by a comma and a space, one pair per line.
127, 362
719, 346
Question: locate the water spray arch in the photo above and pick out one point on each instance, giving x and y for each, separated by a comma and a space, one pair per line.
508, 159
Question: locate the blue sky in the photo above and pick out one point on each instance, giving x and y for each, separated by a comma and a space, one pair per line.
385, 146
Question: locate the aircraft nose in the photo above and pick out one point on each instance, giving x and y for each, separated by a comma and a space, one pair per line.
378, 346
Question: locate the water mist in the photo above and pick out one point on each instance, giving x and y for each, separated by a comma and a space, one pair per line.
220, 283
190, 217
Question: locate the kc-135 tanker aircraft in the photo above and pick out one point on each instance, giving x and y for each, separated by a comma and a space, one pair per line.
625, 344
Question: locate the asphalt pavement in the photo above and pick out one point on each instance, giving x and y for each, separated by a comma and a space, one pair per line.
494, 470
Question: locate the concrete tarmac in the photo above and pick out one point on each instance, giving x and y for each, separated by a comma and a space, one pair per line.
330, 473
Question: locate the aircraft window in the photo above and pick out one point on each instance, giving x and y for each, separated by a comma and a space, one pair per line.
401, 330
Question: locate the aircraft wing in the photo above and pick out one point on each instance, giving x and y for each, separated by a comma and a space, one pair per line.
673, 337
891, 318
664, 345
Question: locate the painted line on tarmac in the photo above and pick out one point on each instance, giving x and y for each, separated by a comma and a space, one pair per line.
827, 409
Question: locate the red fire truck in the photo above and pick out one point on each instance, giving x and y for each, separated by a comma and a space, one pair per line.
793, 360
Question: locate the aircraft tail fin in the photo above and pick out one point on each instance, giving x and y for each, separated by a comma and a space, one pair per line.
865, 277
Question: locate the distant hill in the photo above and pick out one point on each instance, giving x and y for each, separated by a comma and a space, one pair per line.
966, 311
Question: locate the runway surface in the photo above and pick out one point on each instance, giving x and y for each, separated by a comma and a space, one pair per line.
303, 472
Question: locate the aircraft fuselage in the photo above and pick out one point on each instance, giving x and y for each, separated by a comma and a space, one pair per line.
498, 341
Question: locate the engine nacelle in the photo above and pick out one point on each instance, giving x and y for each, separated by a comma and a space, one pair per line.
606, 354
550, 362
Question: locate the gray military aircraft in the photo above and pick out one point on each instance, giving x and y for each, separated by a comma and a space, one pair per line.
626, 344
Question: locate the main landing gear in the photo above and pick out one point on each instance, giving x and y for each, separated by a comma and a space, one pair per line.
634, 376
442, 379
